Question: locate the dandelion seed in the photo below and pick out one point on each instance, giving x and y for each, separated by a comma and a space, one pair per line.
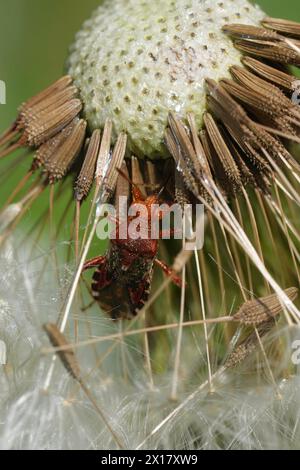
259, 311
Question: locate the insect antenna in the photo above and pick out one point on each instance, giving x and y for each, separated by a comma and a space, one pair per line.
136, 185
164, 186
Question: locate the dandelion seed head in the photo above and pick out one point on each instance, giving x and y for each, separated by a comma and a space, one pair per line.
135, 61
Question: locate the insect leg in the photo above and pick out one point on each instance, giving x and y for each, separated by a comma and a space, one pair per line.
94, 263
169, 272
87, 307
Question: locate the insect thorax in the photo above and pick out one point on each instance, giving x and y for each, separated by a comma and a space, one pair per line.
131, 273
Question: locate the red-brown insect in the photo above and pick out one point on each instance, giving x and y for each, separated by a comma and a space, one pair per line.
122, 279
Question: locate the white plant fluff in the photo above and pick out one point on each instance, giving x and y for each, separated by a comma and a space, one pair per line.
243, 412
208, 363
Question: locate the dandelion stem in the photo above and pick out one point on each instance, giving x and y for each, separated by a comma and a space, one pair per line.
243, 240
8, 136
256, 233
18, 188
150, 329
267, 363
286, 232
204, 320
179, 338
77, 226
101, 414
180, 329
123, 354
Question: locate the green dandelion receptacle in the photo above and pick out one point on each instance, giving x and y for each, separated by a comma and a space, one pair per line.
134, 62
